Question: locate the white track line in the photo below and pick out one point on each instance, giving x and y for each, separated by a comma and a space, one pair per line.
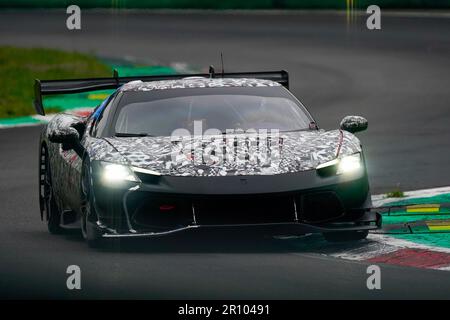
368, 249
379, 245
444, 268
27, 124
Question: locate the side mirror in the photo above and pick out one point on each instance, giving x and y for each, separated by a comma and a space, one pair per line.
354, 124
66, 136
65, 129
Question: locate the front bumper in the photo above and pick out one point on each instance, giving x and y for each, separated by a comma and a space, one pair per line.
294, 203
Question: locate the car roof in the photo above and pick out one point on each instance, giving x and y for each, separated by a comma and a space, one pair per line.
197, 82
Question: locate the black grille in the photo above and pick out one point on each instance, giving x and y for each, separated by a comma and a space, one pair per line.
158, 212
162, 213
320, 207
243, 210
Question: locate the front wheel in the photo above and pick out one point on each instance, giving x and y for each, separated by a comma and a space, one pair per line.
344, 236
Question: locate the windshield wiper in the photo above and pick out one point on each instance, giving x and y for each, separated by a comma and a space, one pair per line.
268, 132
296, 130
126, 134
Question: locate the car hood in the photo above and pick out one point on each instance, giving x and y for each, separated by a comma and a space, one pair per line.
260, 155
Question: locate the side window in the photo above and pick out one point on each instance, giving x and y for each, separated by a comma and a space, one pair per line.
100, 115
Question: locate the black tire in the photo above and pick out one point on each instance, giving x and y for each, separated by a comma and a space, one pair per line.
88, 229
345, 236
49, 207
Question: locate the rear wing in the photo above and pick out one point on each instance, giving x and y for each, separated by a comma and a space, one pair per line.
49, 87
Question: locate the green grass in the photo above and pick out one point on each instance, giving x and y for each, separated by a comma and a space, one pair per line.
397, 193
20, 66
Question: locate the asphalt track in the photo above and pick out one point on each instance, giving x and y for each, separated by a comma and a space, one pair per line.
397, 77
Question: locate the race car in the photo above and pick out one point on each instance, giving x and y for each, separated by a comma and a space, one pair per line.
171, 153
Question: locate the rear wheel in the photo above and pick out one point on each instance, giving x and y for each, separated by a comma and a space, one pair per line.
88, 228
344, 236
48, 205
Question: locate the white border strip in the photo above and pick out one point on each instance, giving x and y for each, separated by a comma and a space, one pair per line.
401, 243
43, 119
381, 199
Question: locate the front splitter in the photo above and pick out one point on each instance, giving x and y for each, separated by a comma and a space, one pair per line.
283, 228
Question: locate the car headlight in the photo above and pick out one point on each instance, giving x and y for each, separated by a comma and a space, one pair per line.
349, 164
113, 173
344, 165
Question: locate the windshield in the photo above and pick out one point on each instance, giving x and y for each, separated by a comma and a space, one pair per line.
160, 113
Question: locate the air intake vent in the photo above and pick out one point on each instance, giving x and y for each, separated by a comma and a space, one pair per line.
321, 207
